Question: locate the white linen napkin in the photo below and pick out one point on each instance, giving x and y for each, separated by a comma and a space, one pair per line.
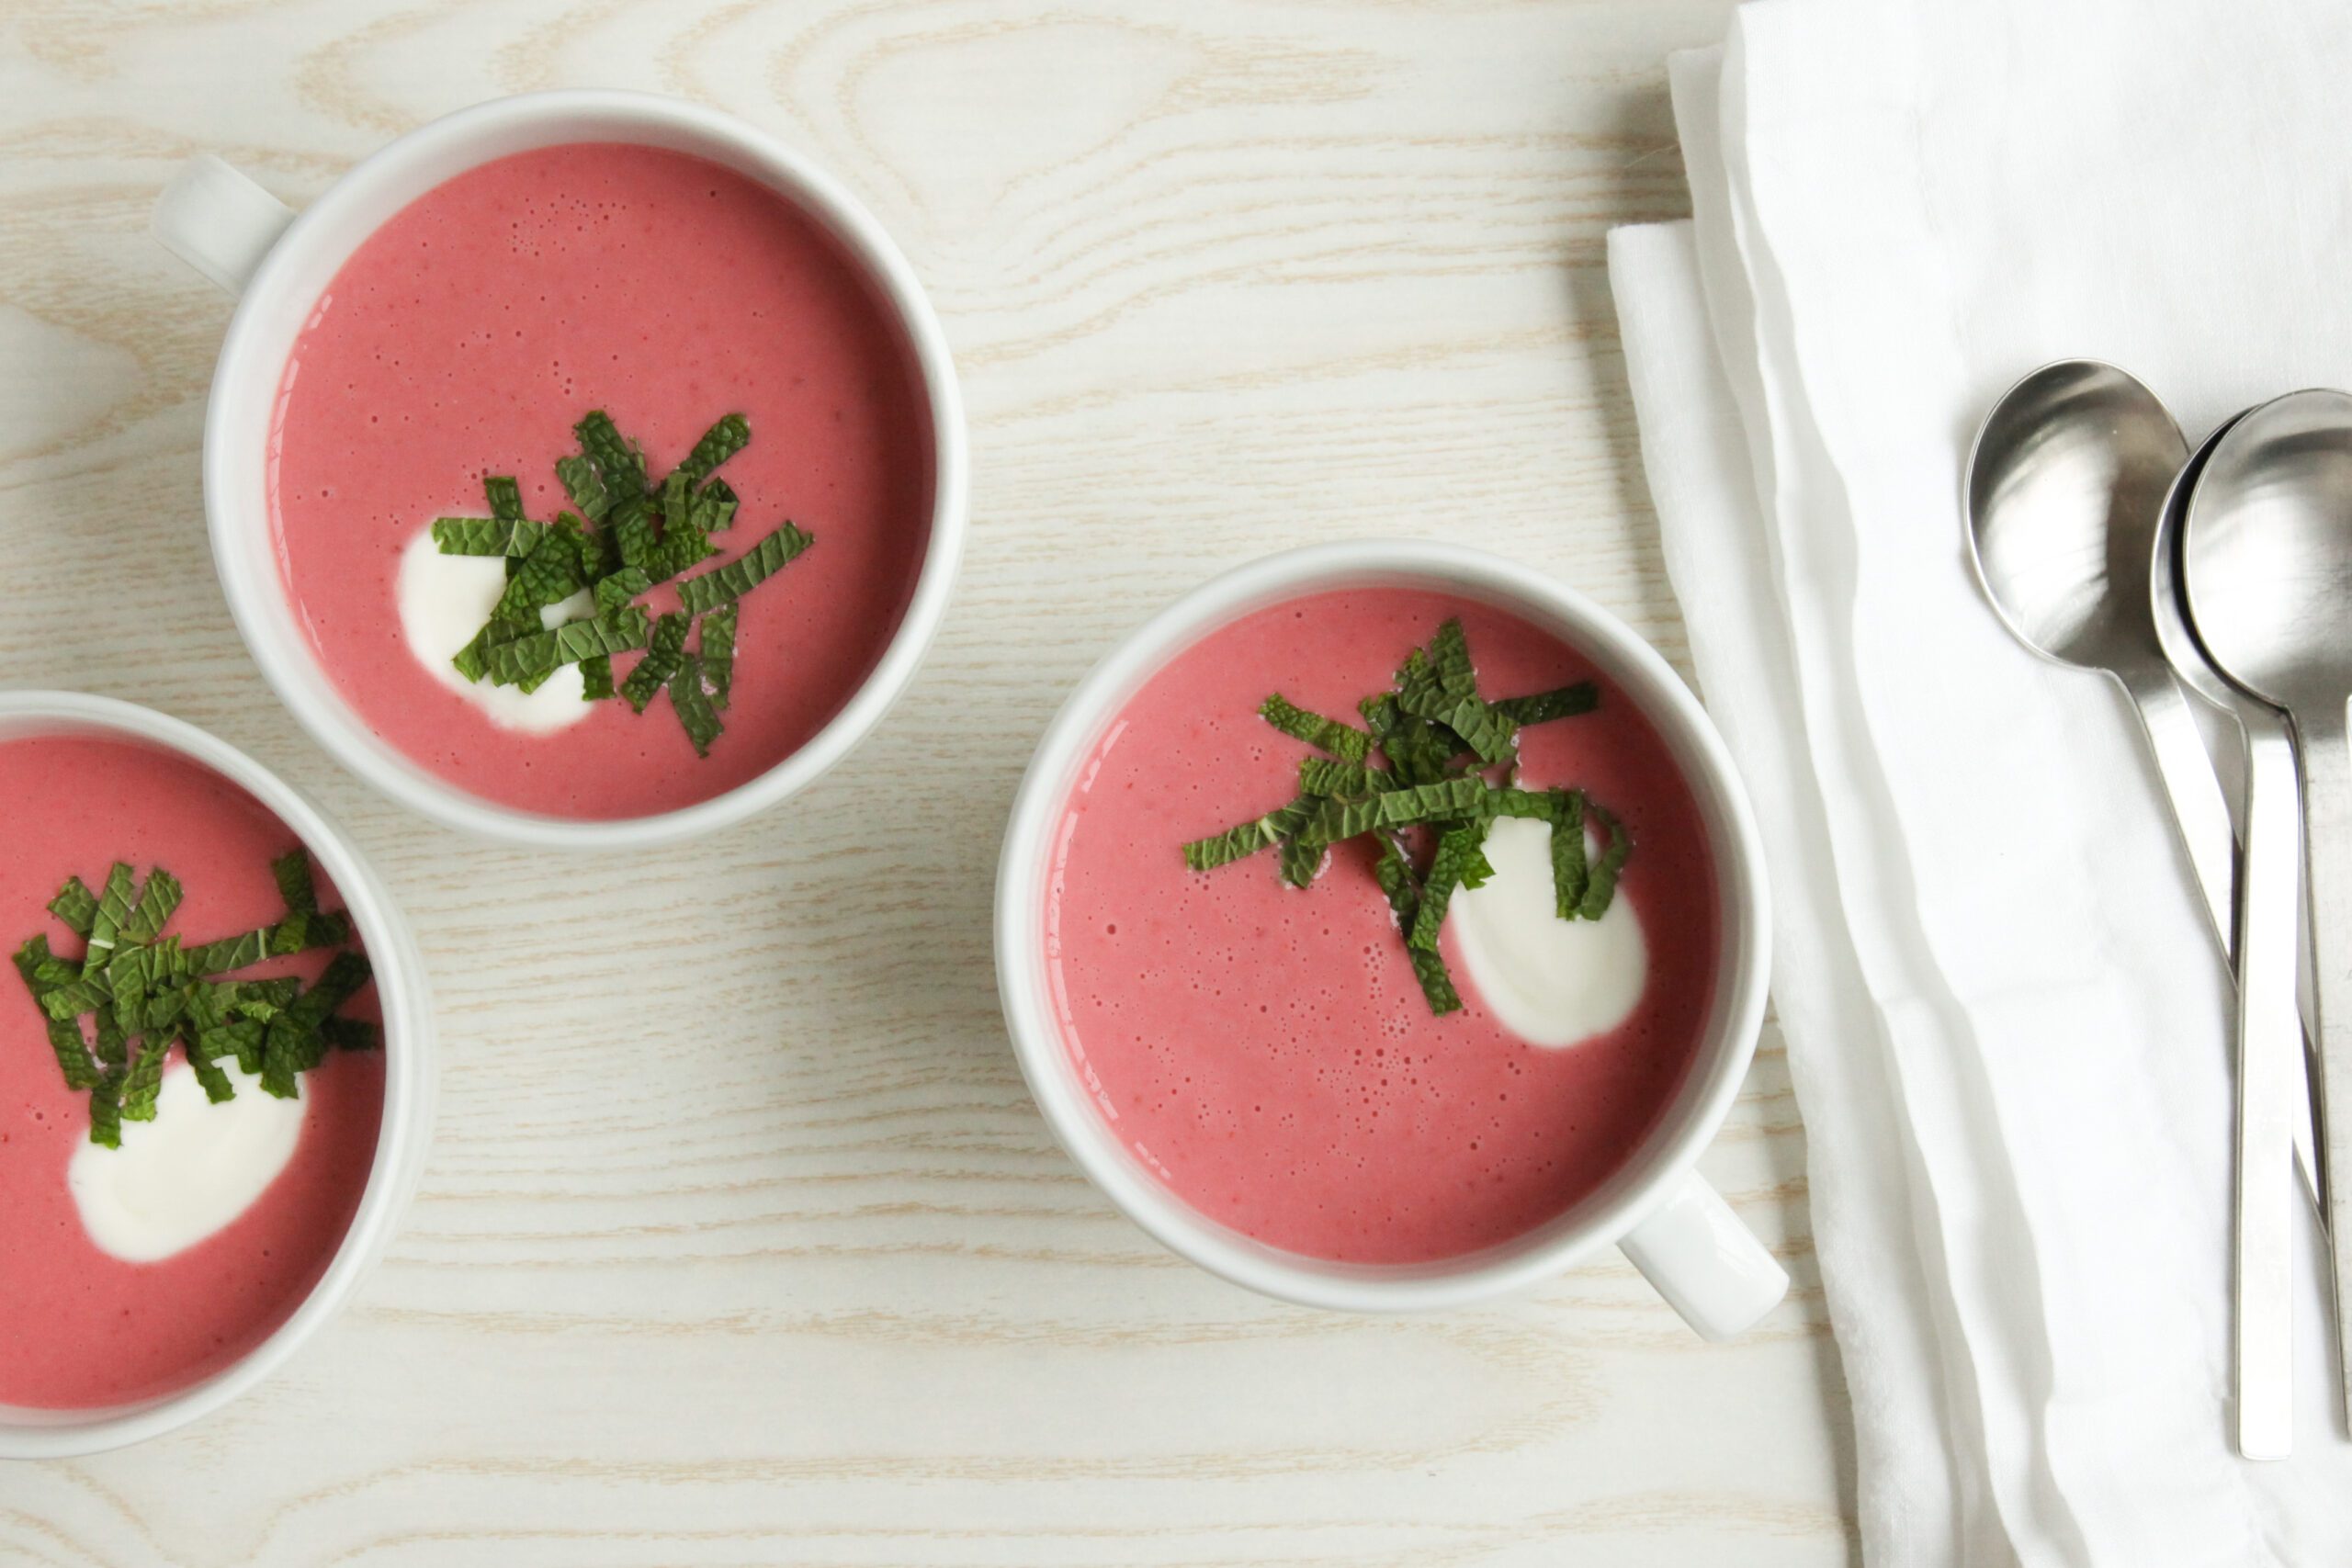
2007, 1024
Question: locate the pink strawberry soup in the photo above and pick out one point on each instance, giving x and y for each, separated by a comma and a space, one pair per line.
468, 334
1265, 1050
80, 1328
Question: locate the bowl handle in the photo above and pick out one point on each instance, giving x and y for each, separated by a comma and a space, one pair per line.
1704, 1261
219, 221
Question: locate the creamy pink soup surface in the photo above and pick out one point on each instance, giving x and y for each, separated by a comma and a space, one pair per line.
79, 1327
1265, 1050
468, 334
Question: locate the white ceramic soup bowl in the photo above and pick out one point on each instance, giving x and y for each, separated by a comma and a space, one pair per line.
1673, 1225
407, 1126
249, 243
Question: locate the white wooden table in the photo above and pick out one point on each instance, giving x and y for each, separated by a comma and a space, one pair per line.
742, 1242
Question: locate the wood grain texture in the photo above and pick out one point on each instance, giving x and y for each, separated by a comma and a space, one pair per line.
758, 1254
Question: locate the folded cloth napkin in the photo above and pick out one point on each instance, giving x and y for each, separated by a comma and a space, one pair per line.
2007, 1024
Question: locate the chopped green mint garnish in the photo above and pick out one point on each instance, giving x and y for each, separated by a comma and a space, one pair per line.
144, 993
619, 462
721, 442
506, 497
487, 536
717, 639
578, 477
145, 1078
1344, 741
663, 650
1570, 875
707, 590
1435, 763
76, 906
686, 695
653, 533
1541, 707
1393, 872
534, 657
1602, 889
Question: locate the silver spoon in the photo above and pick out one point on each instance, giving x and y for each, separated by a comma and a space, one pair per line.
2065, 484
2273, 1082
2267, 563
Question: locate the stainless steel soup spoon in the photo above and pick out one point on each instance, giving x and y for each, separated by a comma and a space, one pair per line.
2065, 484
2267, 560
2273, 1076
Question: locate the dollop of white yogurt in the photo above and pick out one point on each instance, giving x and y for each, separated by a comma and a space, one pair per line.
443, 599
1549, 981
187, 1173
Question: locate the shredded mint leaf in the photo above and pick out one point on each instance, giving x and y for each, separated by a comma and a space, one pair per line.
113, 1046
663, 650
721, 442
615, 592
283, 1053
1601, 890
682, 544
1449, 661
596, 678
693, 707
1456, 847
291, 872
157, 900
1570, 875
707, 590
351, 1035
717, 640
713, 507
506, 497
216, 1083
1481, 728
1541, 707
141, 1085
245, 1039
1393, 872
73, 1053
487, 536
1236, 844
1328, 775
65, 1039
1344, 741
1302, 857
512, 662
618, 463
76, 906
106, 1112
75, 998
114, 908
578, 477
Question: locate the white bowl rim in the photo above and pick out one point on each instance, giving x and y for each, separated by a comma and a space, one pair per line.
1622, 1202
401, 1135
342, 733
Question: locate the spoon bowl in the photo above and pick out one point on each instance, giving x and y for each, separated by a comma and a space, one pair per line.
2268, 551
2065, 487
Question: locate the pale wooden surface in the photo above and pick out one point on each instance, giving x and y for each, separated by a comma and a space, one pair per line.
742, 1242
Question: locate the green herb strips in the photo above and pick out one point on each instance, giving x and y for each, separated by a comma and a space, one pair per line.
626, 532
144, 992
1426, 764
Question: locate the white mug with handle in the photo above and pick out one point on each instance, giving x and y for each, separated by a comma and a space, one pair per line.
1656, 1208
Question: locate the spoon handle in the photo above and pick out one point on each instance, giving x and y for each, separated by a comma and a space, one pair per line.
2198, 812
2270, 1097
2321, 753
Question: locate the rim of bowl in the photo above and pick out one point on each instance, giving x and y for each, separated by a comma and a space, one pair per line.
400, 1138
329, 719
1603, 1217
